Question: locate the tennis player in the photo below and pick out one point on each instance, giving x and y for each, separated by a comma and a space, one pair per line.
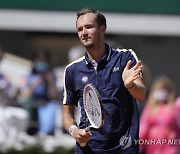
117, 75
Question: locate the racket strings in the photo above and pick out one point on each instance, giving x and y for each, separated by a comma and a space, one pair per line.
93, 108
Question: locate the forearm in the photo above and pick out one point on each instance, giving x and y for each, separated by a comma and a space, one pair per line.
138, 91
68, 117
133, 81
80, 135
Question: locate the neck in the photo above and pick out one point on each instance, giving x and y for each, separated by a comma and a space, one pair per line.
96, 53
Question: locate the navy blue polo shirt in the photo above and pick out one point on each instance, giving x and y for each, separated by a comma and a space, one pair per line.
121, 122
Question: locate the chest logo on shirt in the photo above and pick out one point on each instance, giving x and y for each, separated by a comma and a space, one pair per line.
115, 69
84, 79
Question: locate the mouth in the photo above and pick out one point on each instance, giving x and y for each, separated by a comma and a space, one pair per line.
85, 39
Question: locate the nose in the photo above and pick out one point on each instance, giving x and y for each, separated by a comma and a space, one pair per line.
84, 32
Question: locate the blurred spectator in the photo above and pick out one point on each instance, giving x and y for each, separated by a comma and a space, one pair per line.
66, 140
158, 121
38, 94
177, 115
1, 52
13, 125
5, 85
13, 119
74, 53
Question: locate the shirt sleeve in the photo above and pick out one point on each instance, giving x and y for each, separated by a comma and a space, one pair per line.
70, 96
128, 55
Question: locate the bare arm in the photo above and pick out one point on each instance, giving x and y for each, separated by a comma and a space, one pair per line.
80, 135
133, 81
138, 90
68, 116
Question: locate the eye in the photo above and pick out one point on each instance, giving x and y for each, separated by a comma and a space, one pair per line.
79, 29
89, 26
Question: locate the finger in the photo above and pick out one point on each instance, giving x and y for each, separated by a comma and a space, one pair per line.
140, 68
87, 129
80, 137
89, 133
128, 64
137, 71
136, 75
138, 64
82, 132
85, 133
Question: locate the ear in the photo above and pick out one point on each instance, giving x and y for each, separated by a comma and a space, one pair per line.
103, 29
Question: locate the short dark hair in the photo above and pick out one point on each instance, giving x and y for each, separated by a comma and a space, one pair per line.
100, 18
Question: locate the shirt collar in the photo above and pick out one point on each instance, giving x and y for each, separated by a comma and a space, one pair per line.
106, 56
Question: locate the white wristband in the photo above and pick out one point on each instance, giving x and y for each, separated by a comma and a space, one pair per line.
71, 129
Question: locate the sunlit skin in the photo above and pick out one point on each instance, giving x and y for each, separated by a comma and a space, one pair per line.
91, 35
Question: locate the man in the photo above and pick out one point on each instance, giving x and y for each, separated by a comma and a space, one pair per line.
117, 76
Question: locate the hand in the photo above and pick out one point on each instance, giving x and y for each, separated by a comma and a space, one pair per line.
81, 136
131, 74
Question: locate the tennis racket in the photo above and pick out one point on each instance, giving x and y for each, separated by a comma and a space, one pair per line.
93, 108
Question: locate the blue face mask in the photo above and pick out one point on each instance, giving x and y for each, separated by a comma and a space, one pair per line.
41, 66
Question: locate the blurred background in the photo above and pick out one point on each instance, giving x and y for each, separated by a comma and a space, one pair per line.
37, 39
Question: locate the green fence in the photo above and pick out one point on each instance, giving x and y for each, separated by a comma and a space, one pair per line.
123, 6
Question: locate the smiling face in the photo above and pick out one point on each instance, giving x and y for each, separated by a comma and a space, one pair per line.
89, 32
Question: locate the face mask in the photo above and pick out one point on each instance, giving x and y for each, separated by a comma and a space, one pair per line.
160, 95
41, 66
